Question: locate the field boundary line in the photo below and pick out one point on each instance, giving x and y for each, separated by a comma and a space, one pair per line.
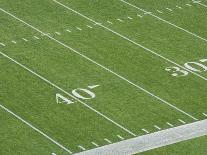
131, 41
34, 128
65, 92
165, 21
121, 77
153, 140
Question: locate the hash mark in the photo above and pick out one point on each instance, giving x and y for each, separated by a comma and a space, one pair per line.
89, 26
119, 20
95, 144
139, 15
2, 44
82, 148
178, 7
107, 140
79, 28
109, 22
205, 114
157, 127
145, 131
25, 39
182, 121
36, 37
188, 4
170, 124
58, 33
68, 30
169, 9
159, 11
130, 18
122, 138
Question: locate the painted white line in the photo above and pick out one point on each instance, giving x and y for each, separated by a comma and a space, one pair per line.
169, 9
129, 40
107, 140
82, 148
120, 137
170, 124
147, 132
68, 30
53, 153
205, 114
119, 20
54, 85
58, 33
179, 7
152, 141
165, 21
188, 4
159, 11
139, 15
14, 42
78, 28
121, 77
95, 144
93, 86
130, 18
198, 2
2, 44
89, 26
109, 22
25, 39
34, 128
147, 13
157, 127
180, 120
36, 37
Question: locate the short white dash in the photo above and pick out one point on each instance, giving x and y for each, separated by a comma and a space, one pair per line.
139, 15
2, 44
130, 18
36, 37
170, 124
205, 114
81, 147
68, 30
119, 20
13, 41
95, 144
89, 26
179, 7
169, 9
122, 138
157, 127
145, 131
24, 39
188, 4
53, 153
182, 121
159, 11
147, 13
109, 22
58, 33
108, 140
78, 28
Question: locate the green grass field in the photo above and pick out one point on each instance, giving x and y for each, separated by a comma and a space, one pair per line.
124, 71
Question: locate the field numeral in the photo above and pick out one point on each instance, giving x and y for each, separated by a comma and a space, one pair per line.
193, 66
80, 93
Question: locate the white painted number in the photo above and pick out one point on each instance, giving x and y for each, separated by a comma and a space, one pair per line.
176, 71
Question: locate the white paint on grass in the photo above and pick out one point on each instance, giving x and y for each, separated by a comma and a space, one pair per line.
2, 44
68, 30
179, 7
119, 20
36, 37
109, 22
120, 137
205, 114
14, 42
89, 26
58, 33
182, 121
95, 144
171, 125
107, 140
159, 11
169, 9
152, 141
82, 148
78, 28
146, 131
25, 39
130, 18
157, 127
138, 15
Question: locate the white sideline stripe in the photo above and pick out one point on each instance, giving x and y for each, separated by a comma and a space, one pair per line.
34, 128
152, 141
133, 42
198, 2
121, 77
49, 82
165, 21
2, 44
107, 140
170, 124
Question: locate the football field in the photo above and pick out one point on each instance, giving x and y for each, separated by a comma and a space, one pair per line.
81, 74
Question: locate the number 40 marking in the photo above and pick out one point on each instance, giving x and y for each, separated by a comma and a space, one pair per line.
80, 93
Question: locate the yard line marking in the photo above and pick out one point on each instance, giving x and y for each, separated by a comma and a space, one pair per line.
133, 42
82, 148
109, 22
205, 114
53, 153
34, 128
157, 127
119, 20
199, 2
130, 18
159, 11
169, 9
36, 37
147, 13
14, 42
122, 138
58, 33
2, 44
165, 21
107, 69
79, 28
182, 121
139, 15
169, 124
89, 26
95, 144
49, 82
107, 140
145, 131
25, 39
68, 30
188, 4
179, 7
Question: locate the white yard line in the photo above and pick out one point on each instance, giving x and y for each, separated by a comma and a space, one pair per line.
133, 42
198, 2
152, 141
34, 128
107, 69
165, 21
